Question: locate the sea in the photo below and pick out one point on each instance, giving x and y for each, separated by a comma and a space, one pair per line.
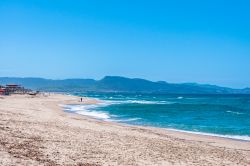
217, 115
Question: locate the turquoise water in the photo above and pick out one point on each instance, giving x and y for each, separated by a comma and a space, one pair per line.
227, 115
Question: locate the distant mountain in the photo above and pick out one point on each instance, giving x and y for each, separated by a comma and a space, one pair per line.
119, 84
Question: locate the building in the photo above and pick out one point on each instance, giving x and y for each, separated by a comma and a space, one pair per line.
14, 88
2, 91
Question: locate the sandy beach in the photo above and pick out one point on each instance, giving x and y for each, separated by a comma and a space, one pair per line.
36, 131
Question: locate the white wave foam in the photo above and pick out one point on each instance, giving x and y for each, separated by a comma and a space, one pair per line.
126, 120
140, 102
236, 137
234, 112
136, 102
87, 110
94, 114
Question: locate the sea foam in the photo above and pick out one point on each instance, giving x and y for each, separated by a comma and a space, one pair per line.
136, 102
87, 110
235, 137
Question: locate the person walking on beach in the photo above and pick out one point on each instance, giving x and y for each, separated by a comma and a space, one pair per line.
81, 99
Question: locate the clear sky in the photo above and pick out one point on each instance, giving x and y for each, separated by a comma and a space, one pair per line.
175, 41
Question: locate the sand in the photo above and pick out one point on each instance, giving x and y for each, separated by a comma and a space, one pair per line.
36, 131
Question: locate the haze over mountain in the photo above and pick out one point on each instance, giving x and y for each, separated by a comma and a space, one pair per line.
110, 84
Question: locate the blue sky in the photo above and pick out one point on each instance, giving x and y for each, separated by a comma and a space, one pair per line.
176, 41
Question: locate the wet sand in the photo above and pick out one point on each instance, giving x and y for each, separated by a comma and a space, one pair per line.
36, 131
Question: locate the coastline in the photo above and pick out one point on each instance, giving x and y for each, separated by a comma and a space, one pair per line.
58, 137
67, 109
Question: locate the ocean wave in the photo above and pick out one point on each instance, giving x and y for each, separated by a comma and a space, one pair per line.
125, 120
87, 110
137, 102
235, 137
95, 114
234, 112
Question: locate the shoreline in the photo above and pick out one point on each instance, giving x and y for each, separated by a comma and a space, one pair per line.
197, 134
37, 131
229, 137
243, 138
